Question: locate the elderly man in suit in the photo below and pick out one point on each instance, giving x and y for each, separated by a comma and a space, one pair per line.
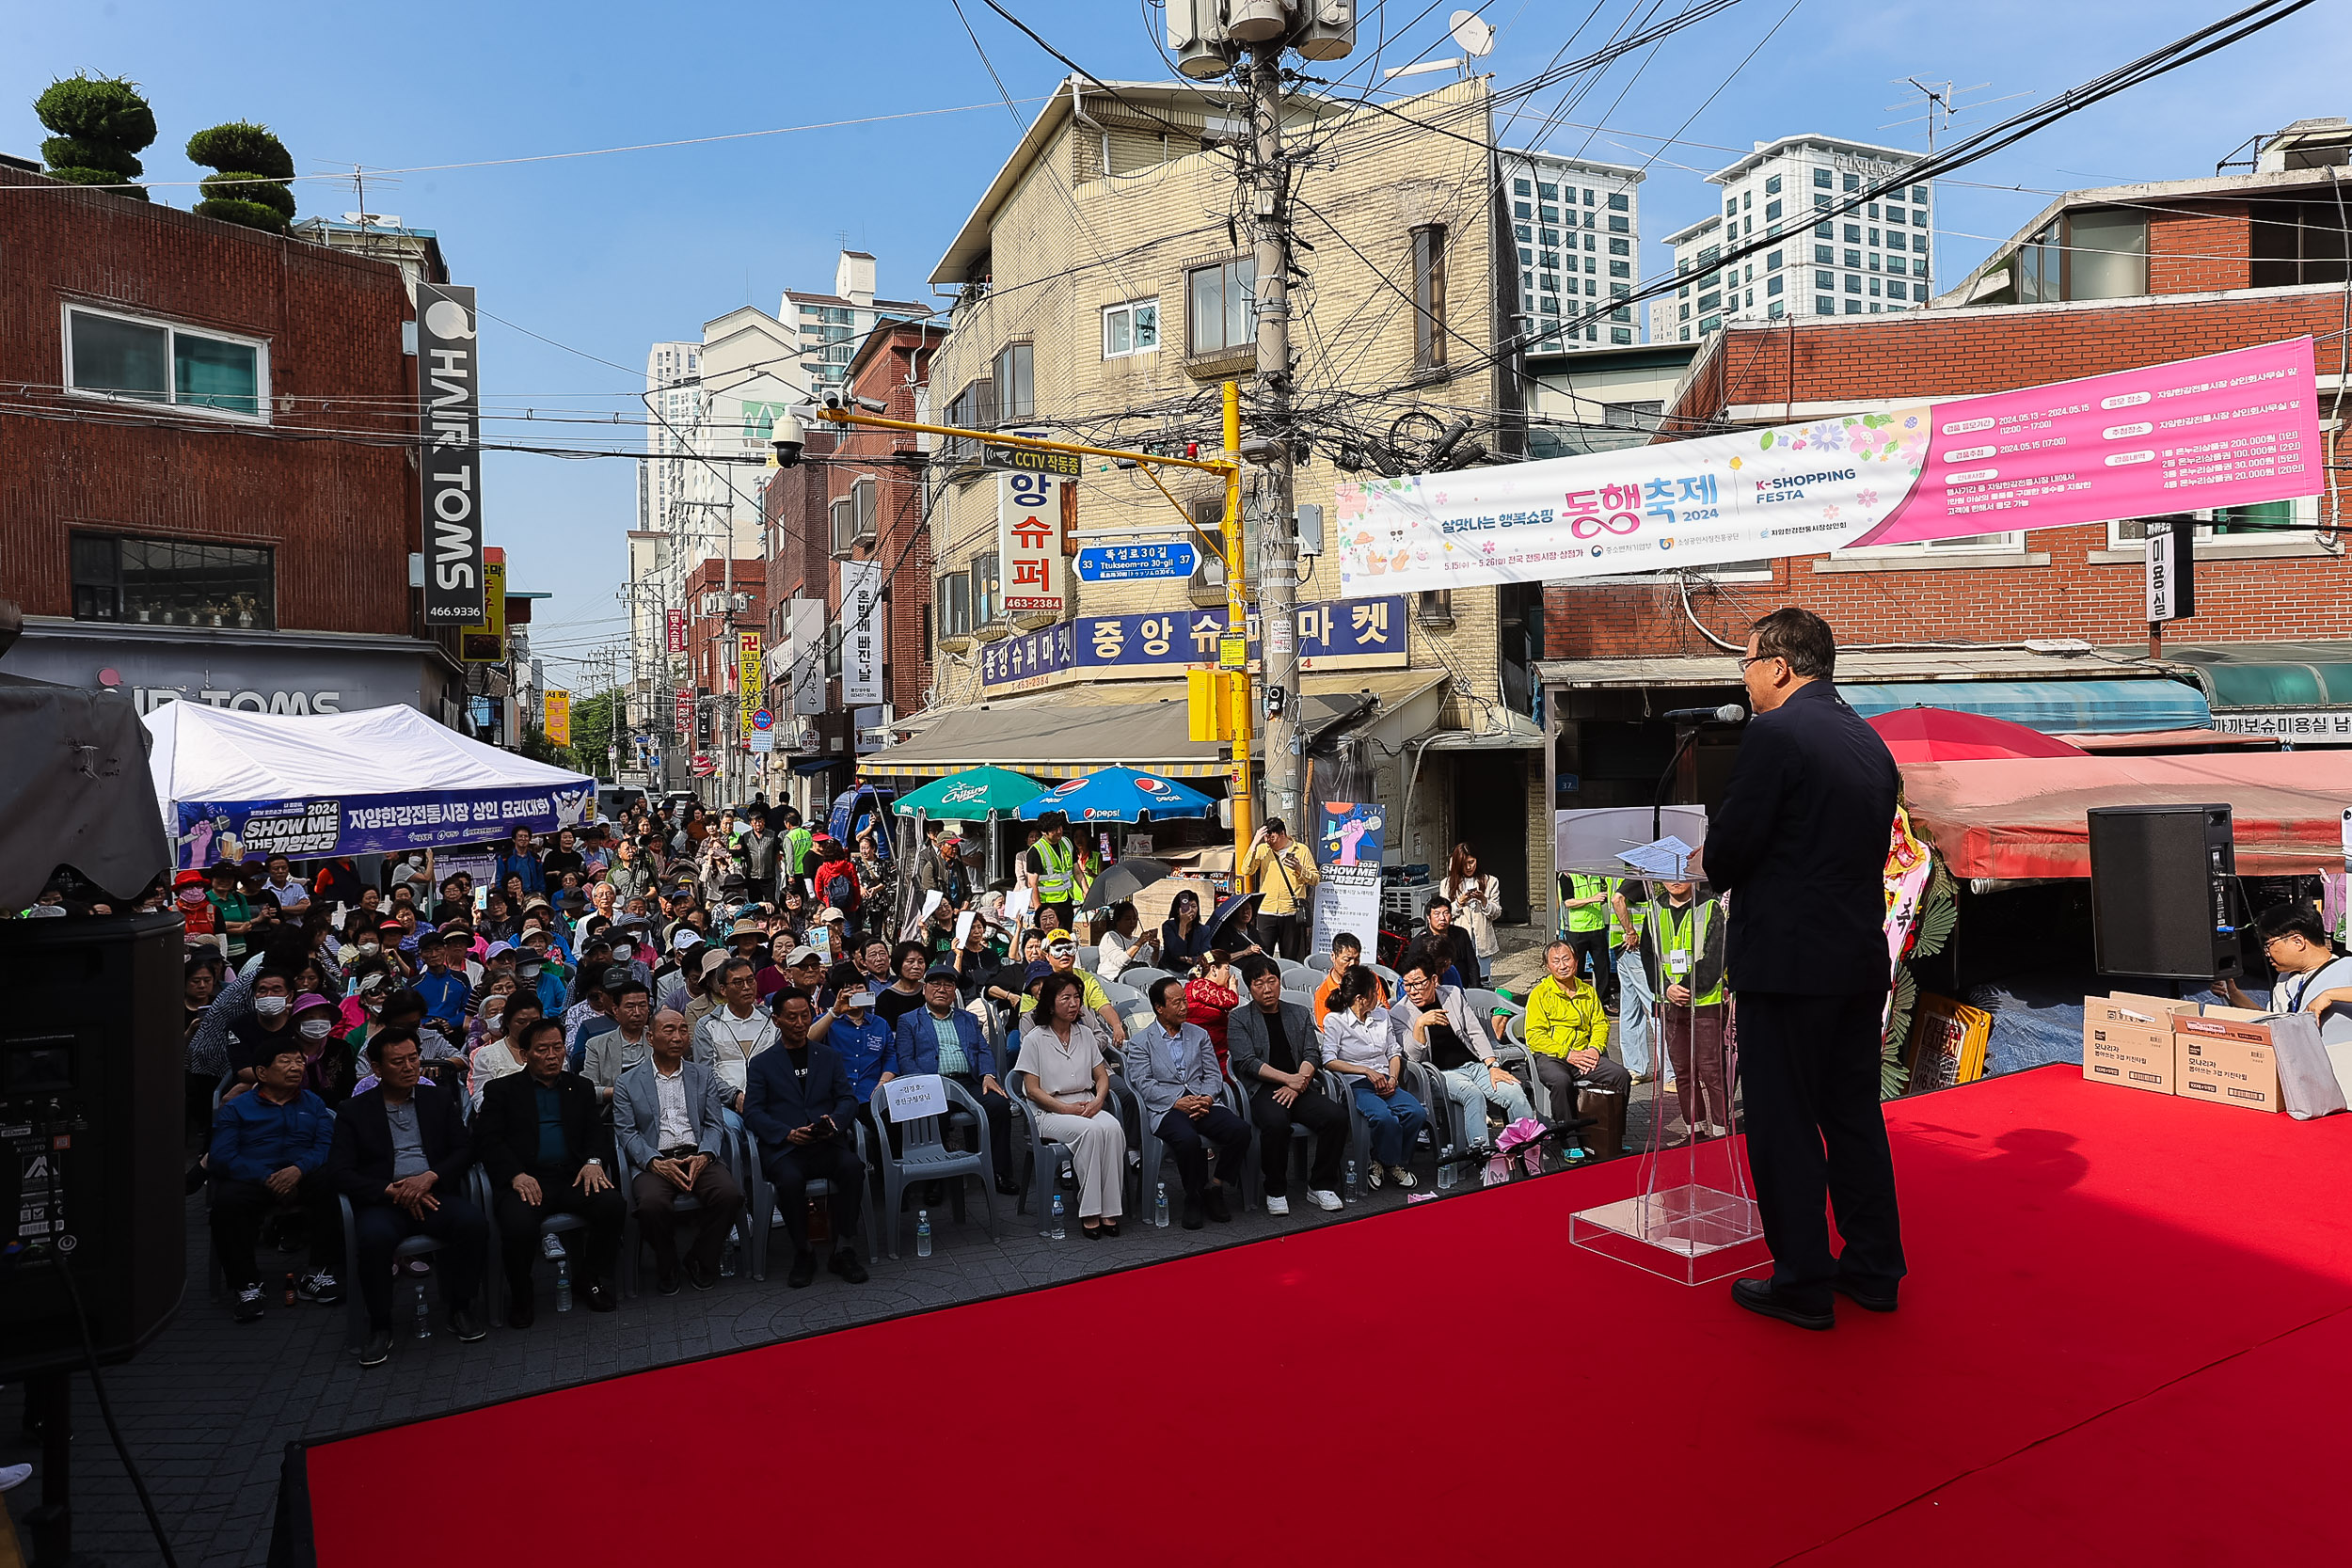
669, 1116
1800, 844
940, 1037
400, 1155
799, 1103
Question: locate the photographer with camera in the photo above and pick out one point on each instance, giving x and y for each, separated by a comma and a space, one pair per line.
799, 1104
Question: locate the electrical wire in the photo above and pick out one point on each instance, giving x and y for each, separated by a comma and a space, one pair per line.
106, 1413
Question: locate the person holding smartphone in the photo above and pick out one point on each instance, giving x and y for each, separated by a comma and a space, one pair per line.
799, 1104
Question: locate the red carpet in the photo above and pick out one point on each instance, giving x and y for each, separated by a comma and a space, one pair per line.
2124, 1340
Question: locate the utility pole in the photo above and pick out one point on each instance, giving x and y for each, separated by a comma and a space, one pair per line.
1278, 562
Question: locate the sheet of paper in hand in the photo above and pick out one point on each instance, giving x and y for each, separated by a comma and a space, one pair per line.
913, 1099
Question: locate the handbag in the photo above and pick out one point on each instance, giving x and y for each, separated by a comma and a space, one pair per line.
2307, 1077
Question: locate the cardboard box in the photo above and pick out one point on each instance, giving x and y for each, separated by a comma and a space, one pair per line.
2127, 1039
2224, 1055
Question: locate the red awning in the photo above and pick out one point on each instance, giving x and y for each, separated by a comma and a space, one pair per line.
2026, 817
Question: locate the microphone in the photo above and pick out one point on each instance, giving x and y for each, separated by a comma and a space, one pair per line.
1730, 713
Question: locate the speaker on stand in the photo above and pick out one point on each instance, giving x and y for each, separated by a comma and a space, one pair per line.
2160, 893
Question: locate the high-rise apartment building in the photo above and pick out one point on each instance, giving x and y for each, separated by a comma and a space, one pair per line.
1578, 224
1865, 262
830, 327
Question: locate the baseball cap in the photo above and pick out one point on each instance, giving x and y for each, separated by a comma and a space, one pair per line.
939, 971
685, 939
189, 878
802, 954
497, 947
307, 1001
833, 914
1037, 971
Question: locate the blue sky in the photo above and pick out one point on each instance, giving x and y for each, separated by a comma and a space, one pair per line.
605, 254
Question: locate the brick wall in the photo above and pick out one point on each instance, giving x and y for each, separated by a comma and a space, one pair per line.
890, 366
341, 514
2203, 249
2067, 582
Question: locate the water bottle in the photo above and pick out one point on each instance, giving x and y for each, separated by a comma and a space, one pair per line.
1347, 1194
423, 1319
1445, 1166
1159, 1208
562, 1284
1055, 1231
727, 1258
922, 1233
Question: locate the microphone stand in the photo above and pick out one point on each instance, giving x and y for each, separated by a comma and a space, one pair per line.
1685, 735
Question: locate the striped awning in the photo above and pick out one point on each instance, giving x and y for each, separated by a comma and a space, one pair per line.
1051, 736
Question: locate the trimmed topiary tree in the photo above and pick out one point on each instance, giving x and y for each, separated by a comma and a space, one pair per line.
250, 187
102, 125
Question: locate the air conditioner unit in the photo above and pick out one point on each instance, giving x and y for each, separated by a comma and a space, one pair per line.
843, 526
863, 498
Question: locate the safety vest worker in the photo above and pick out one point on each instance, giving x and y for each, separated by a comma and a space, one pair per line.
1679, 935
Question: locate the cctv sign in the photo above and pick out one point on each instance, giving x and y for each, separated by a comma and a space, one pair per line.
449, 396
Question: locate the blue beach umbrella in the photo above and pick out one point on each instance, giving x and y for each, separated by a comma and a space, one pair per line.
1120, 795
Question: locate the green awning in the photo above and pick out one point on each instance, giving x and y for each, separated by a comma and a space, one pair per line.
2054, 707
2272, 675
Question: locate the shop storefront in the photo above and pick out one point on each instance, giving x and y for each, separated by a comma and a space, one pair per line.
252, 672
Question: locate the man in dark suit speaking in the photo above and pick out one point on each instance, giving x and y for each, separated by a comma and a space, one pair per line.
1800, 842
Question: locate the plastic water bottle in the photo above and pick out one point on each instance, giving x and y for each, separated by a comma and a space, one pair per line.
1347, 1194
423, 1319
727, 1258
1445, 1166
562, 1284
922, 1233
1159, 1208
1055, 1231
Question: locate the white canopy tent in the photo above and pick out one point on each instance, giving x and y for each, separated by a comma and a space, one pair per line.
378, 780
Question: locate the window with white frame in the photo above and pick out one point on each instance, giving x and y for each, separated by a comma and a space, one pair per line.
1132, 327
2221, 530
1971, 544
114, 356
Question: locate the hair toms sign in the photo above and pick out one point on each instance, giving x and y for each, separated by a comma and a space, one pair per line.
2225, 430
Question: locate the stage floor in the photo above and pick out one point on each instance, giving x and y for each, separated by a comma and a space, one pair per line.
2124, 1340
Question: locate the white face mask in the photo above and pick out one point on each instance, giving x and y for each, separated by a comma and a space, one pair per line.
370, 984
528, 971
269, 1006
371, 947
490, 1016
416, 860
315, 1028
623, 952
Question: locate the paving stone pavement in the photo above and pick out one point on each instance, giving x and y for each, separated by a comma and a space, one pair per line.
209, 1407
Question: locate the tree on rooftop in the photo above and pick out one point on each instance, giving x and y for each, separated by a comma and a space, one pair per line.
101, 124
250, 185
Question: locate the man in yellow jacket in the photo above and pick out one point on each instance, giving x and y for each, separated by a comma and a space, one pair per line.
1568, 1033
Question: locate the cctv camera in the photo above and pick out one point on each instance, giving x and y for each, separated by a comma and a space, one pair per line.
787, 437
833, 397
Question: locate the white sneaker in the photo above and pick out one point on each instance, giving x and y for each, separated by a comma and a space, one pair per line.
1277, 1205
551, 1245
1324, 1198
14, 1476
1373, 1178
1402, 1176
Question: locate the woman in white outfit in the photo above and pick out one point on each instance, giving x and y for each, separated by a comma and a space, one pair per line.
1476, 901
1069, 1087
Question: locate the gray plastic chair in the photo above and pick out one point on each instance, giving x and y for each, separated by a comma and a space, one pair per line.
1042, 1150
925, 1157
1121, 993
1253, 1177
1415, 1083
1295, 974
495, 1280
409, 1246
632, 1241
762, 1206
1142, 978
1320, 963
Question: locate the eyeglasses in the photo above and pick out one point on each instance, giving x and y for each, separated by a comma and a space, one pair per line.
1754, 658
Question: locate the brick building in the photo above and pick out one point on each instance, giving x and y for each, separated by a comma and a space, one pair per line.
856, 500
722, 604
2102, 281
205, 456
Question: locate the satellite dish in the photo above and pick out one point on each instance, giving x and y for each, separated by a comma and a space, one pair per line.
1475, 34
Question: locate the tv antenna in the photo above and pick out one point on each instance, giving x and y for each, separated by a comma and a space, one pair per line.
1472, 33
1943, 102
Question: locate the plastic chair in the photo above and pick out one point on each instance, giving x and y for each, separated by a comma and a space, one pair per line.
1142, 979
1295, 974
1414, 1082
1254, 1177
1016, 1086
1396, 982
1320, 963
765, 1215
1120, 995
924, 1157
632, 1239
409, 1246
495, 1280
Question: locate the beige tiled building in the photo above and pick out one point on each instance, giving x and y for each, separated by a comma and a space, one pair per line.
1107, 295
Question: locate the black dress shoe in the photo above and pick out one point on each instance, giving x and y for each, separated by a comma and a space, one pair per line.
377, 1350
804, 1273
1196, 1213
1757, 1296
522, 1312
1214, 1204
701, 1276
1870, 1301
602, 1297
1007, 1186
464, 1326
665, 1280
847, 1263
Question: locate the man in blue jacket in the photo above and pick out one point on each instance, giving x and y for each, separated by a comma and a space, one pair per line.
269, 1149
799, 1105
517, 861
443, 983
940, 1037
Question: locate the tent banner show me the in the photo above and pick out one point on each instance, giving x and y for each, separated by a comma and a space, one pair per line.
2229, 429
379, 780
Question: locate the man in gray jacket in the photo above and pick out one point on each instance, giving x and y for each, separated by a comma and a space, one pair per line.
669, 1116
1275, 1056
1172, 1067
1435, 1024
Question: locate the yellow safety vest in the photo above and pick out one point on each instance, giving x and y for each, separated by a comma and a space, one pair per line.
1672, 937
1054, 886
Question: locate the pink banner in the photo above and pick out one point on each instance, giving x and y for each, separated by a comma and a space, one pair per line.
2229, 429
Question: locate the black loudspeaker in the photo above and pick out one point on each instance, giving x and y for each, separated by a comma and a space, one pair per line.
91, 1103
2160, 892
